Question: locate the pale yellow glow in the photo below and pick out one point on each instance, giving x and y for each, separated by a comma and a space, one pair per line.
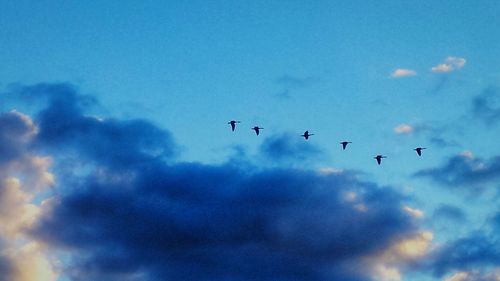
385, 266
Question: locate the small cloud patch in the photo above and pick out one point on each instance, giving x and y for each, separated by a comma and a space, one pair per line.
449, 65
402, 72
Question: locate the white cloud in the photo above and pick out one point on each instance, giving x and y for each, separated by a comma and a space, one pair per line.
404, 129
449, 65
416, 213
402, 72
21, 179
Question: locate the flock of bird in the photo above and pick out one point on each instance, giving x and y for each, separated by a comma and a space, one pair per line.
306, 136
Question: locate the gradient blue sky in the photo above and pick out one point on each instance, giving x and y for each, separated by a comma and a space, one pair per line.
290, 66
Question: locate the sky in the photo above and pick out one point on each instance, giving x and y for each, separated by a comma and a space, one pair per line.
117, 161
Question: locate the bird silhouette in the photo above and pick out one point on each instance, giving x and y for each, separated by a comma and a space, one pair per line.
344, 144
379, 158
233, 124
306, 135
257, 129
419, 150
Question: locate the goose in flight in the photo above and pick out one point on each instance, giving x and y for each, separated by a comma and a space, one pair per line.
419, 150
379, 158
257, 129
306, 135
344, 144
233, 124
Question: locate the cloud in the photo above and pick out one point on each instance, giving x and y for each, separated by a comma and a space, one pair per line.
388, 264
442, 142
434, 133
486, 106
416, 213
23, 175
464, 171
124, 209
291, 83
289, 148
449, 65
494, 275
64, 126
206, 222
401, 72
496, 221
404, 129
449, 212
474, 251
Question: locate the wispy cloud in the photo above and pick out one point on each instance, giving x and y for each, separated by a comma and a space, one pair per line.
475, 251
486, 106
450, 64
291, 83
464, 171
449, 212
402, 72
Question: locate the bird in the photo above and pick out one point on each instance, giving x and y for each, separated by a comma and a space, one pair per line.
419, 150
306, 135
233, 124
379, 158
257, 129
344, 144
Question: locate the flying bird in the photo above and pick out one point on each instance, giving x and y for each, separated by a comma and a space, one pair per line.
419, 150
306, 135
233, 124
379, 158
257, 129
344, 144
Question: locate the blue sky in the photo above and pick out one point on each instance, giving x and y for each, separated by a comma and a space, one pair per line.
107, 92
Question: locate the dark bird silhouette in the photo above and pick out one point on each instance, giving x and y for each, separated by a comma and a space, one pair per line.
379, 158
419, 150
257, 129
233, 124
344, 144
306, 135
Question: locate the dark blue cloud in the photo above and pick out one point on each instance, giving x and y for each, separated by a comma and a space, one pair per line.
199, 222
289, 148
136, 214
14, 131
486, 106
478, 250
64, 126
464, 171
